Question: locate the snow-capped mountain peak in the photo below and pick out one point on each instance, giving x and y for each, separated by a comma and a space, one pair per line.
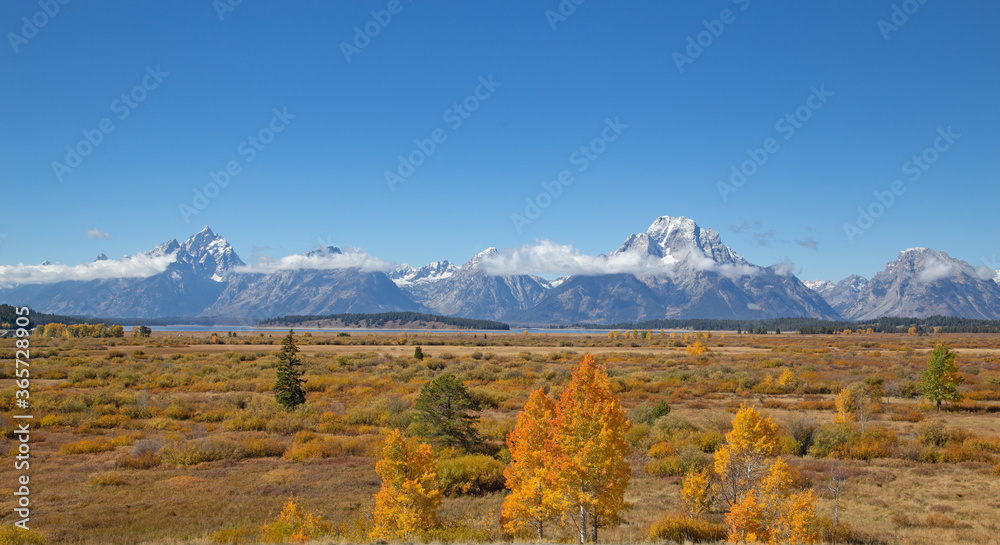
101, 257
484, 255
819, 286
405, 275
205, 252
680, 239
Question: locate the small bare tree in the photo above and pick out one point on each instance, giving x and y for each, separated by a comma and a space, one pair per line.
837, 480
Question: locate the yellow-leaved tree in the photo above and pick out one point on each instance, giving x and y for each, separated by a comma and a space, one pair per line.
764, 505
743, 461
409, 498
588, 449
696, 492
534, 498
774, 513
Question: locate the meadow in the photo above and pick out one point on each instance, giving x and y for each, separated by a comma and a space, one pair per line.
177, 438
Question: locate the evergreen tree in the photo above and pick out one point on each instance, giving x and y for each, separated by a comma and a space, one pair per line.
443, 413
288, 390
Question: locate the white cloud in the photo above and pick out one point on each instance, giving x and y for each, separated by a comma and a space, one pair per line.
140, 266
986, 273
352, 258
934, 270
546, 257
98, 234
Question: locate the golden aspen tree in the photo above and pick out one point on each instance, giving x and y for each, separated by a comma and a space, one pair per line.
696, 349
854, 404
774, 513
409, 498
589, 448
745, 521
534, 498
696, 492
788, 517
742, 462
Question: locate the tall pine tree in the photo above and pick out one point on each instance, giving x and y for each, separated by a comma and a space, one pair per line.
288, 390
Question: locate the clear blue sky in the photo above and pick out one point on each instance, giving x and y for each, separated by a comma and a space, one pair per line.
322, 177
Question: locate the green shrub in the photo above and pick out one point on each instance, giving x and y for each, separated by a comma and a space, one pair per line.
708, 441
207, 449
671, 466
470, 474
667, 427
832, 439
244, 421
932, 434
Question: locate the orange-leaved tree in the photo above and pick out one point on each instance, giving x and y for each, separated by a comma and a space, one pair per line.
743, 461
534, 498
409, 498
588, 449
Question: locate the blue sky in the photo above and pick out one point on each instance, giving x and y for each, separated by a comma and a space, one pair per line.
554, 84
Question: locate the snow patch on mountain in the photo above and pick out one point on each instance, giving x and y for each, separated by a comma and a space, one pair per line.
819, 286
405, 275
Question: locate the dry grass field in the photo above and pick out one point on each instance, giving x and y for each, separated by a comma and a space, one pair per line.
176, 438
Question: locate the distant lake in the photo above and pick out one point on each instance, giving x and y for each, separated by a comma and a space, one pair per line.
195, 328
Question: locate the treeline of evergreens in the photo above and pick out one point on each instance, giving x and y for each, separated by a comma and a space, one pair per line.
382, 318
8, 315
8, 318
888, 324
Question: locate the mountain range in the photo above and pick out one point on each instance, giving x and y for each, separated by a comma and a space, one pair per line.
676, 269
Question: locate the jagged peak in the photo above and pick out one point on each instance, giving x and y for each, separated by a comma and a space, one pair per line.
101, 257
323, 250
664, 226
680, 239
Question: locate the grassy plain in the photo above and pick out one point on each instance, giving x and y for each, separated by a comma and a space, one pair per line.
176, 437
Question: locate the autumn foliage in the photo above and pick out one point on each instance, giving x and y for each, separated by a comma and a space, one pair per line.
535, 498
764, 505
743, 461
409, 498
580, 470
